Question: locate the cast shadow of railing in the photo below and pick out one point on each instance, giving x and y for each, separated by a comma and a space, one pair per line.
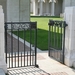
27, 71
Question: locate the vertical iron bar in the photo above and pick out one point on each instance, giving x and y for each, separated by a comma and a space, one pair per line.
15, 59
6, 40
63, 42
58, 39
27, 58
54, 36
9, 59
61, 38
21, 59
61, 54
24, 45
30, 44
58, 44
35, 44
11, 44
49, 41
18, 47
32, 57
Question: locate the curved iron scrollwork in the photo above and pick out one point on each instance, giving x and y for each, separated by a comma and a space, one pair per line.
20, 26
57, 23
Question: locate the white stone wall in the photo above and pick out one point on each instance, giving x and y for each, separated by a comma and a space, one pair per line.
24, 11
73, 2
67, 3
3, 3
31, 7
69, 17
12, 10
18, 10
2, 47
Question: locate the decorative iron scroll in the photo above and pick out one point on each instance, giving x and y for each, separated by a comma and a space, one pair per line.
57, 23
21, 25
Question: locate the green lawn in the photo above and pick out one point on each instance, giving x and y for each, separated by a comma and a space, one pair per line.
42, 34
42, 37
42, 31
42, 22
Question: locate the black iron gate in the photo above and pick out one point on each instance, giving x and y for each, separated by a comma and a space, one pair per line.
20, 53
56, 38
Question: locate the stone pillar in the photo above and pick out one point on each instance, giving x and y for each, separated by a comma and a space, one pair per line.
41, 8
69, 17
24, 10
47, 7
34, 7
12, 10
53, 8
18, 10
2, 47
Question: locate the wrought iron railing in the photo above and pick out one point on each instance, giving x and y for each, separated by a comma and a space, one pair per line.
56, 39
20, 53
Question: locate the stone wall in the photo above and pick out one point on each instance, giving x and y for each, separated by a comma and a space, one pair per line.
2, 47
4, 6
18, 10
69, 17
67, 3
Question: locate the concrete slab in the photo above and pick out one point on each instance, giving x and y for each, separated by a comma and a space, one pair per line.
1, 72
54, 67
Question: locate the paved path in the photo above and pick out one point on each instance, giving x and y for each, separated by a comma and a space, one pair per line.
13, 43
52, 66
48, 66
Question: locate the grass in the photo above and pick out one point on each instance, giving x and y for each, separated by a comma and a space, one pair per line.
43, 28
56, 37
42, 41
42, 22
42, 31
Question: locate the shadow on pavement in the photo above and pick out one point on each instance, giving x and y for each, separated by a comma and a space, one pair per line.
27, 71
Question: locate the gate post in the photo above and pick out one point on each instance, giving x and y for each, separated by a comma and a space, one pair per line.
18, 10
2, 60
69, 17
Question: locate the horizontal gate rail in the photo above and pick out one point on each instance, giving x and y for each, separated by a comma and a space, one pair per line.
17, 53
56, 38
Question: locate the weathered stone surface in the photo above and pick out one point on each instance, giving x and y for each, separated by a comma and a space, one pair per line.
18, 10
2, 47
70, 36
